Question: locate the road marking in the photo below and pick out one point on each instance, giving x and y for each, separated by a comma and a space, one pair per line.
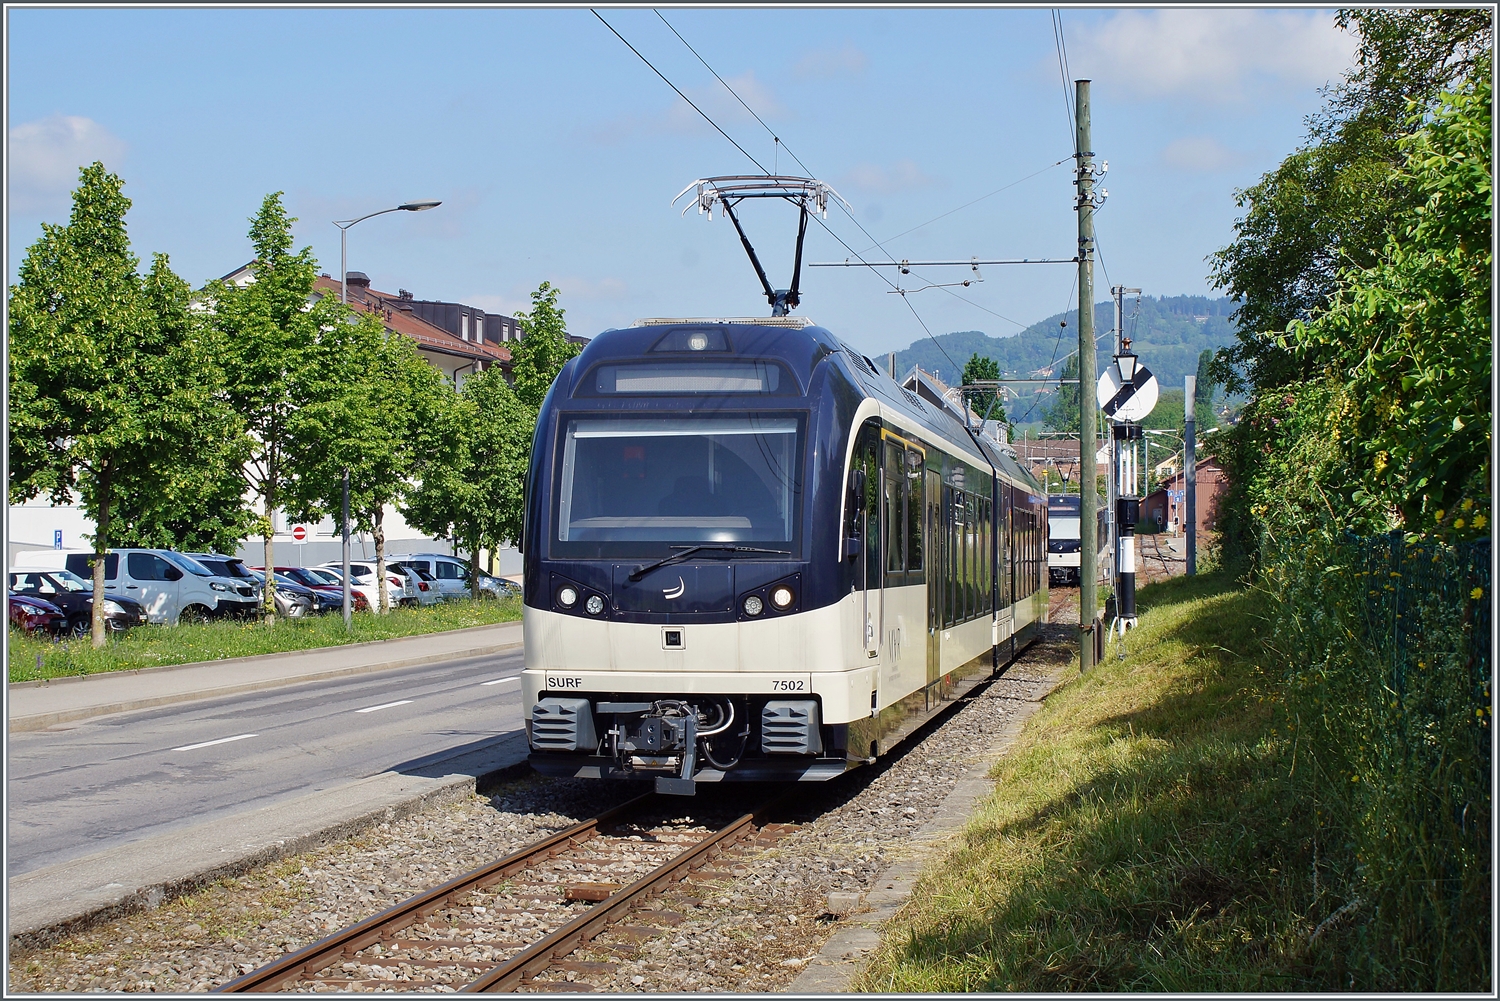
497, 681
388, 705
211, 743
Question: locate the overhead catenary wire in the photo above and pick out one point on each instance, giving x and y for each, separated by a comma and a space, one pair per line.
782, 145
680, 94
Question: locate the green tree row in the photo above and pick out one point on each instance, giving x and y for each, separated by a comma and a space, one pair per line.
182, 420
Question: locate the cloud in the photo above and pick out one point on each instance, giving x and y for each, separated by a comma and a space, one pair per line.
1218, 56
827, 64
45, 156
1200, 153
903, 175
714, 100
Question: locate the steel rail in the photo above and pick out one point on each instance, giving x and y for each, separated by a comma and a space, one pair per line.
320, 955
560, 943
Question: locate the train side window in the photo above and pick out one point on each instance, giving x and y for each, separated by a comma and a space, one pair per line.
893, 487
867, 454
915, 484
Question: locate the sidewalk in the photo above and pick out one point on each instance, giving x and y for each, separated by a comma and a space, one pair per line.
36, 705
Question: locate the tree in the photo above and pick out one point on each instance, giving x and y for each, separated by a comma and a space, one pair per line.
98, 402
1330, 205
543, 350
987, 403
1408, 340
269, 334
382, 410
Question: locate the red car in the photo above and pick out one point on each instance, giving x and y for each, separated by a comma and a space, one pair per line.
309, 579
35, 615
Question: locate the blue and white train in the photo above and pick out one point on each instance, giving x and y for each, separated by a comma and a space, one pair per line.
751, 555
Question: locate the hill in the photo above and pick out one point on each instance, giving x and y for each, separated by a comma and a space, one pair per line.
1168, 333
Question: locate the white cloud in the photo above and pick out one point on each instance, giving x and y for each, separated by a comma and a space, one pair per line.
45, 156
826, 64
1218, 55
903, 175
1199, 153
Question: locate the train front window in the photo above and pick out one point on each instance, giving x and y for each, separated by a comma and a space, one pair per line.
635, 486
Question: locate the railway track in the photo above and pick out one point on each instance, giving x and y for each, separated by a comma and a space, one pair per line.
506, 924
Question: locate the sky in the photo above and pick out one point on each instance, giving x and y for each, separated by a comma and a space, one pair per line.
556, 151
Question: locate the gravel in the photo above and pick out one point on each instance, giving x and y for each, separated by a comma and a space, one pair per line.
750, 922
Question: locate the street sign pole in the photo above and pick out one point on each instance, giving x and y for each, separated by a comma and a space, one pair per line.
348, 609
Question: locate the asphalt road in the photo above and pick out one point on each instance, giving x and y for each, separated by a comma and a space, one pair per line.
116, 779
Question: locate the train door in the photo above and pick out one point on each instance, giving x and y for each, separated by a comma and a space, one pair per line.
936, 572
867, 525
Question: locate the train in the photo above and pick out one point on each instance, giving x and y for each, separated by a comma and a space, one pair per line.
750, 555
1065, 540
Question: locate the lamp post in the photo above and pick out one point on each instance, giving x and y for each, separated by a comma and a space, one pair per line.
344, 226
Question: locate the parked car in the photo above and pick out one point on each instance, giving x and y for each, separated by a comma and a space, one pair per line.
364, 595
292, 599
324, 586
36, 615
170, 585
400, 589
425, 583
452, 575
75, 596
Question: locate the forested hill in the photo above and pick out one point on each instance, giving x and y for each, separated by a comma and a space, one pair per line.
1168, 333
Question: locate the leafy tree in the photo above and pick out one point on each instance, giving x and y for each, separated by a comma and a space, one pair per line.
987, 403
98, 402
384, 414
1330, 205
544, 349
1409, 339
1062, 414
270, 331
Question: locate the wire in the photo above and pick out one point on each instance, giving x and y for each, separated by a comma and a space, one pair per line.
1062, 69
976, 201
680, 94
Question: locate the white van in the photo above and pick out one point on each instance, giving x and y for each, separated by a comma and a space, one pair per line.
170, 586
452, 576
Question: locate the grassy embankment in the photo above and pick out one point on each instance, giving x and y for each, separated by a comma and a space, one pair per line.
155, 646
1149, 832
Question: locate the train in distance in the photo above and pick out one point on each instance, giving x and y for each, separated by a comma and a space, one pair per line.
1065, 541
750, 555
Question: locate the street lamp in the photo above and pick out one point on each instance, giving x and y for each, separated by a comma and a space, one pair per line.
344, 225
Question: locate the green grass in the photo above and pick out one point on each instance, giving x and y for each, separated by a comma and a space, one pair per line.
155, 646
1148, 832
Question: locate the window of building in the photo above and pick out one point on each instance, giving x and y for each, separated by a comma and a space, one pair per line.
478, 328
463, 326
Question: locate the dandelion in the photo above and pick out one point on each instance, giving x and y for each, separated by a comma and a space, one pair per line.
1468, 504
1458, 523
1479, 521
1477, 593
1438, 514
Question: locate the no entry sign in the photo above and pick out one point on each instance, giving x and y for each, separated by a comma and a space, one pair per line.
299, 534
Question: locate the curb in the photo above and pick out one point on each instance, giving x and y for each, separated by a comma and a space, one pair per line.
153, 894
40, 721
844, 955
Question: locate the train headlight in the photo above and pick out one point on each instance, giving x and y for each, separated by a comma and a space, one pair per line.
754, 606
782, 597
594, 605
567, 597
697, 342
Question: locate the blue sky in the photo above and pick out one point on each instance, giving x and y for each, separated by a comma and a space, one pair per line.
556, 151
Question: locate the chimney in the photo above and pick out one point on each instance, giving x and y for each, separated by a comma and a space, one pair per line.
357, 279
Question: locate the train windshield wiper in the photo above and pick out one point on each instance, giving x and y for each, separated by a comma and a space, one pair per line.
691, 550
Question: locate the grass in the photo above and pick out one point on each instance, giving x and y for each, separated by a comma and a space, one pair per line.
155, 646
1147, 833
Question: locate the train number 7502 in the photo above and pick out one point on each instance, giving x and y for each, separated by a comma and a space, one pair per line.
788, 686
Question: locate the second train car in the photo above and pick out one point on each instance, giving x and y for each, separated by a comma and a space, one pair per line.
751, 555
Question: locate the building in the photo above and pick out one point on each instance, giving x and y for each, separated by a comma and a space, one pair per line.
1168, 504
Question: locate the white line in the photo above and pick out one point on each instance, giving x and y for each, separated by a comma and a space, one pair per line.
211, 743
386, 706
497, 681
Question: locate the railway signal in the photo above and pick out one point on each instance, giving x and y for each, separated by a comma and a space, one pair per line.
1127, 392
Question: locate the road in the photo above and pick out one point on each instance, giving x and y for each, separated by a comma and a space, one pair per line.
117, 779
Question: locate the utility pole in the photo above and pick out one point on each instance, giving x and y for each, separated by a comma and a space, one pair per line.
348, 598
1190, 471
1088, 501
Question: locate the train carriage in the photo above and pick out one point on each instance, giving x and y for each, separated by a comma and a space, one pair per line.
751, 555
